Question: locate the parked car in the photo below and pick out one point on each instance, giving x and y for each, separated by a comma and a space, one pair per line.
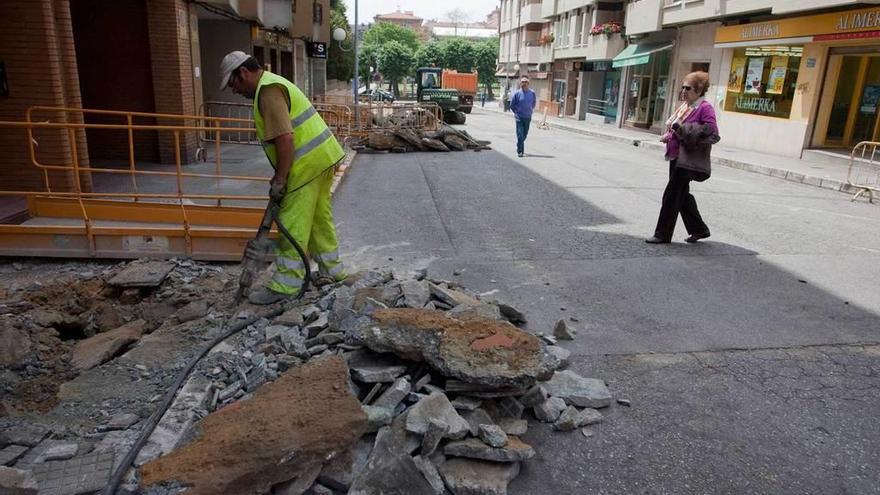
376, 94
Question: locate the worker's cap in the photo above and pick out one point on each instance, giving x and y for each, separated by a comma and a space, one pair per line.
231, 61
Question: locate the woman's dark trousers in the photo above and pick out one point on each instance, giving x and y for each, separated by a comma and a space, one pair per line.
678, 199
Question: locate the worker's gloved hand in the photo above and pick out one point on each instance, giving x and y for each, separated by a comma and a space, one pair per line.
277, 191
257, 249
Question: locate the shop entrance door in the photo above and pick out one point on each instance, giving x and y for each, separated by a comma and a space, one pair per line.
851, 105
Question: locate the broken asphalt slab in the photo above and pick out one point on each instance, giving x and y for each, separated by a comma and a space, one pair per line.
256, 443
473, 349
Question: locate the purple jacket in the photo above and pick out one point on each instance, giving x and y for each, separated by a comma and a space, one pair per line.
704, 114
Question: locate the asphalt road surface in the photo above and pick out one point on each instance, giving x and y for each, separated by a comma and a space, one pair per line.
752, 359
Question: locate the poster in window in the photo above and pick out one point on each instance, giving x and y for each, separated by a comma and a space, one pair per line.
870, 99
753, 76
737, 70
778, 70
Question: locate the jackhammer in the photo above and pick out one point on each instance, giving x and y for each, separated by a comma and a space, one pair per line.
255, 252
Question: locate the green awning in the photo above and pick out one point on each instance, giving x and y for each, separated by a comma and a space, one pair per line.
638, 54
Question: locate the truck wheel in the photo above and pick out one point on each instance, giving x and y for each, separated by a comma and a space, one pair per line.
456, 117
467, 109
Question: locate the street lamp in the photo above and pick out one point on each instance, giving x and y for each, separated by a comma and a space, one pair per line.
339, 35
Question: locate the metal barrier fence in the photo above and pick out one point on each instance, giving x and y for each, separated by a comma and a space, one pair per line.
864, 169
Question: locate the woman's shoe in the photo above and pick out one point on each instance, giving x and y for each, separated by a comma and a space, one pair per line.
696, 237
656, 240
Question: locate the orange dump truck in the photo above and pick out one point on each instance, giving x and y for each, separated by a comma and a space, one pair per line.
465, 83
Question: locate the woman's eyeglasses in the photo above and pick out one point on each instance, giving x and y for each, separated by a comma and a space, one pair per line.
686, 88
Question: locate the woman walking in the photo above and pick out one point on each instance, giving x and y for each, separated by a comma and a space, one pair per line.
690, 133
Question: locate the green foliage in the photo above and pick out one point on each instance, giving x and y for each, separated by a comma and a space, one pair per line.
486, 58
430, 54
396, 61
458, 54
385, 32
368, 56
340, 63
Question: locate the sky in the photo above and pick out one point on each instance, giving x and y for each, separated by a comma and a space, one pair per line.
426, 9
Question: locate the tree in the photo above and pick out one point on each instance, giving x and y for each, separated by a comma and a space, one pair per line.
458, 54
430, 54
367, 57
486, 60
340, 63
384, 32
457, 17
396, 61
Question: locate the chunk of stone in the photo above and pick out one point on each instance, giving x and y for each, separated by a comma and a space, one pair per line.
142, 274
192, 311
58, 451
390, 469
319, 489
436, 431
577, 390
436, 406
514, 426
394, 395
311, 314
475, 419
306, 414
549, 410
465, 403
560, 355
493, 435
26, 434
571, 418
452, 297
533, 396
11, 453
17, 482
15, 346
429, 471
472, 477
476, 350
377, 417
122, 421
508, 407
511, 314
371, 306
339, 473
482, 391
482, 309
562, 332
473, 448
290, 318
415, 293
318, 349
317, 326
300, 484
377, 374
548, 339
103, 347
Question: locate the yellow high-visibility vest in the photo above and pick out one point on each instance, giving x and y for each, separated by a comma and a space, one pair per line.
315, 149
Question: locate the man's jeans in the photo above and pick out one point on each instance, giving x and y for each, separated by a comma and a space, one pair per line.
522, 130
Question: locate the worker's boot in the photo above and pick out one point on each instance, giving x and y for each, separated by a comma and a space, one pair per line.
264, 296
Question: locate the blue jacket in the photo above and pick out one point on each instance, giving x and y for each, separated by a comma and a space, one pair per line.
523, 103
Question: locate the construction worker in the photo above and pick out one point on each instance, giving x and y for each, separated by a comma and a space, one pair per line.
304, 153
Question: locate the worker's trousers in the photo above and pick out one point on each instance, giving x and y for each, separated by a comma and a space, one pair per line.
308, 214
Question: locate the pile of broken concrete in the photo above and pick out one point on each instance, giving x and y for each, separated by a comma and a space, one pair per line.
378, 386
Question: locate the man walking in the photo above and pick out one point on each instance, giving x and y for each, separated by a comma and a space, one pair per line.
523, 104
304, 153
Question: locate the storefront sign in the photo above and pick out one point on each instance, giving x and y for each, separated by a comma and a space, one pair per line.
317, 49
758, 105
835, 23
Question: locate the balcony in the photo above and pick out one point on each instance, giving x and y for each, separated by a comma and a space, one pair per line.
530, 14
566, 5
548, 8
644, 16
604, 47
535, 53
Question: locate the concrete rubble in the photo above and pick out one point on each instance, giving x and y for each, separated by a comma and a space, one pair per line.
380, 385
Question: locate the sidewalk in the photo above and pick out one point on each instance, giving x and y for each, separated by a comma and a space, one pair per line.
827, 173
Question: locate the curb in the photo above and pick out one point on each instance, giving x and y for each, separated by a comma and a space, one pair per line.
788, 175
341, 170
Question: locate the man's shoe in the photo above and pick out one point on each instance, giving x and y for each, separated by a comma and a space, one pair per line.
519, 155
264, 296
656, 240
696, 237
320, 280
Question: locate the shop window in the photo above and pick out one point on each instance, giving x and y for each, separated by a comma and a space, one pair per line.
763, 79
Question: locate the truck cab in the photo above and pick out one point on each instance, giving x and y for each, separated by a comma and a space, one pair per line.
429, 88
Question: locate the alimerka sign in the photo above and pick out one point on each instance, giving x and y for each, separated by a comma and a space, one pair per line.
822, 26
